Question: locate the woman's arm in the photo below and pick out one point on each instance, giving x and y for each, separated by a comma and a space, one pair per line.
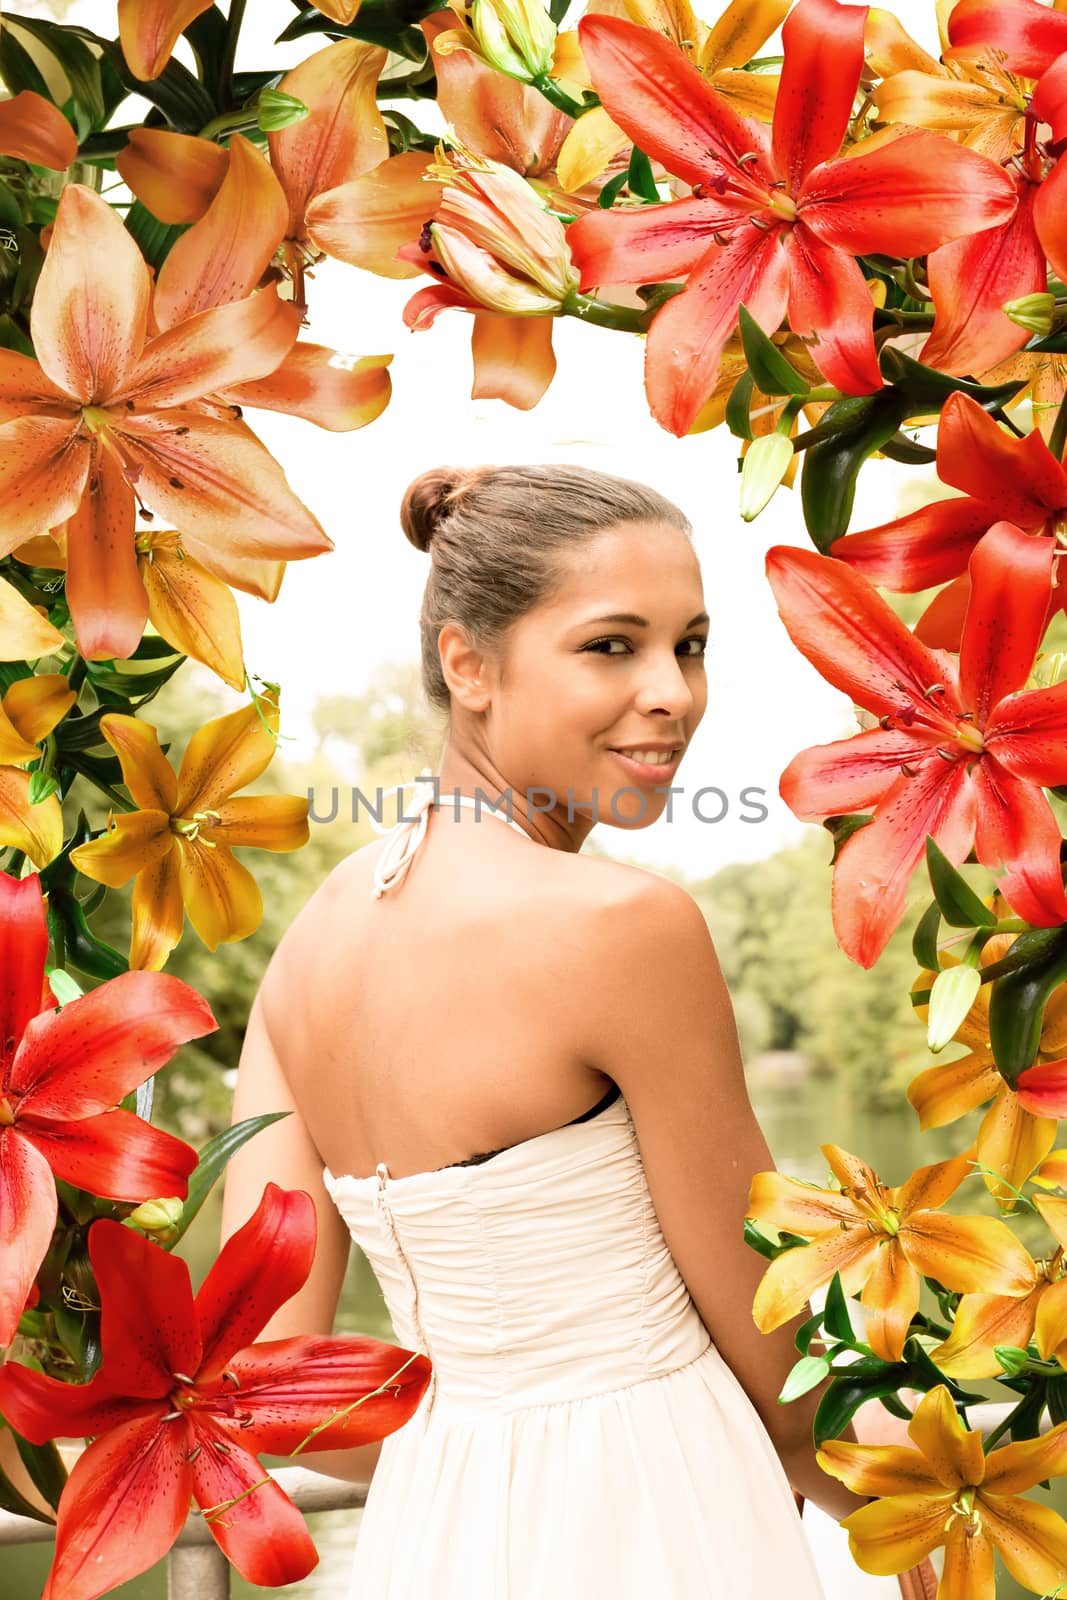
284, 1153
658, 1019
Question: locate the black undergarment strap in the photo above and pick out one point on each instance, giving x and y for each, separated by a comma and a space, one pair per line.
601, 1105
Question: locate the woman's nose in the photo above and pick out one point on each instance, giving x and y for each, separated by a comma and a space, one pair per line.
666, 687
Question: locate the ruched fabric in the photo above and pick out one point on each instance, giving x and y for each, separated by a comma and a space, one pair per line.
581, 1437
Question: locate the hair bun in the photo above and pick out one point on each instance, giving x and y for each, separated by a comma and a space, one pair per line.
430, 498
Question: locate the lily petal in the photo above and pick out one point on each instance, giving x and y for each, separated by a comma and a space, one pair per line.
664, 105
513, 359
983, 1321
88, 327
82, 1059
24, 633
970, 279
1050, 1323
1016, 1467
149, 30
849, 775
969, 1562
1031, 35
264, 821
221, 896
226, 754
146, 772
894, 1535
23, 953
222, 345
916, 551
237, 1298
176, 175
792, 1278
365, 222
1026, 732
823, 45
741, 29
117, 1155
1017, 838
324, 386
830, 309
107, 600
850, 635
216, 480
651, 244
122, 1507
918, 191
1049, 219
890, 1298
1021, 478
342, 137
28, 1210
878, 1469
223, 256
131, 842
293, 1385
44, 465
874, 867
35, 829
1011, 580
588, 150
1042, 1089
687, 335
1011, 1144
250, 1516
799, 1207
1031, 1539
192, 609
33, 129
157, 913
944, 1093
972, 1255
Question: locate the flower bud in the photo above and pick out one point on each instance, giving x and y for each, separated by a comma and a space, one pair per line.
160, 1219
952, 995
766, 463
1032, 312
276, 110
1012, 1357
518, 37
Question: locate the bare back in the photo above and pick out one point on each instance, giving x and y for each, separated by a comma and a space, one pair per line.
443, 1020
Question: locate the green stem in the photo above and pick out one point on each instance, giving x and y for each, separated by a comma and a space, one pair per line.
230, 122
1005, 1423
233, 29
120, 802
587, 308
561, 99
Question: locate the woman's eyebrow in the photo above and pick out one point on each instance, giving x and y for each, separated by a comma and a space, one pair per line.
640, 622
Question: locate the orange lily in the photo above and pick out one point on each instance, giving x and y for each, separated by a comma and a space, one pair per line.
179, 843
29, 710
149, 29
983, 1321
107, 416
1043, 375
1019, 1129
882, 1240
33, 129
716, 52
947, 1493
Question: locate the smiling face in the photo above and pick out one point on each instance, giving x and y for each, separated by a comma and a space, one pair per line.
574, 684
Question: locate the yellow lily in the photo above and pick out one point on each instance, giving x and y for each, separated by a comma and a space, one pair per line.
29, 711
187, 605
1011, 1140
1043, 375
729, 43
149, 29
985, 1320
179, 844
882, 1240
969, 94
947, 1493
108, 416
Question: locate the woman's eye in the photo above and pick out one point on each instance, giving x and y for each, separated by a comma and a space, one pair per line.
599, 644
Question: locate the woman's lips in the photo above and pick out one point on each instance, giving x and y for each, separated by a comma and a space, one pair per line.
644, 772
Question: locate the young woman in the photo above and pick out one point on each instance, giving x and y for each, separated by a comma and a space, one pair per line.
514, 1079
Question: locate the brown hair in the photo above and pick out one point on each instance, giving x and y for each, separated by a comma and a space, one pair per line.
496, 536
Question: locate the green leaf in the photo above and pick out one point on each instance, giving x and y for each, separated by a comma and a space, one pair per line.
848, 434
611, 190
842, 828
156, 239
738, 406
924, 939
1056, 1397
926, 389
959, 904
77, 61
18, 68
11, 335
757, 1240
835, 1311
213, 1158
806, 1332
11, 1500
639, 179
850, 1390
45, 1466
909, 451
807, 1372
768, 366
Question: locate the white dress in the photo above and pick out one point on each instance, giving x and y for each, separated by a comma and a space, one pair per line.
581, 1437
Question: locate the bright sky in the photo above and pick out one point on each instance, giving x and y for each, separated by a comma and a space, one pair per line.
342, 614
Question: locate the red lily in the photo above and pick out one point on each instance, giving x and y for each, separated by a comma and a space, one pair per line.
960, 753
183, 1404
1002, 478
774, 221
1032, 36
61, 1073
